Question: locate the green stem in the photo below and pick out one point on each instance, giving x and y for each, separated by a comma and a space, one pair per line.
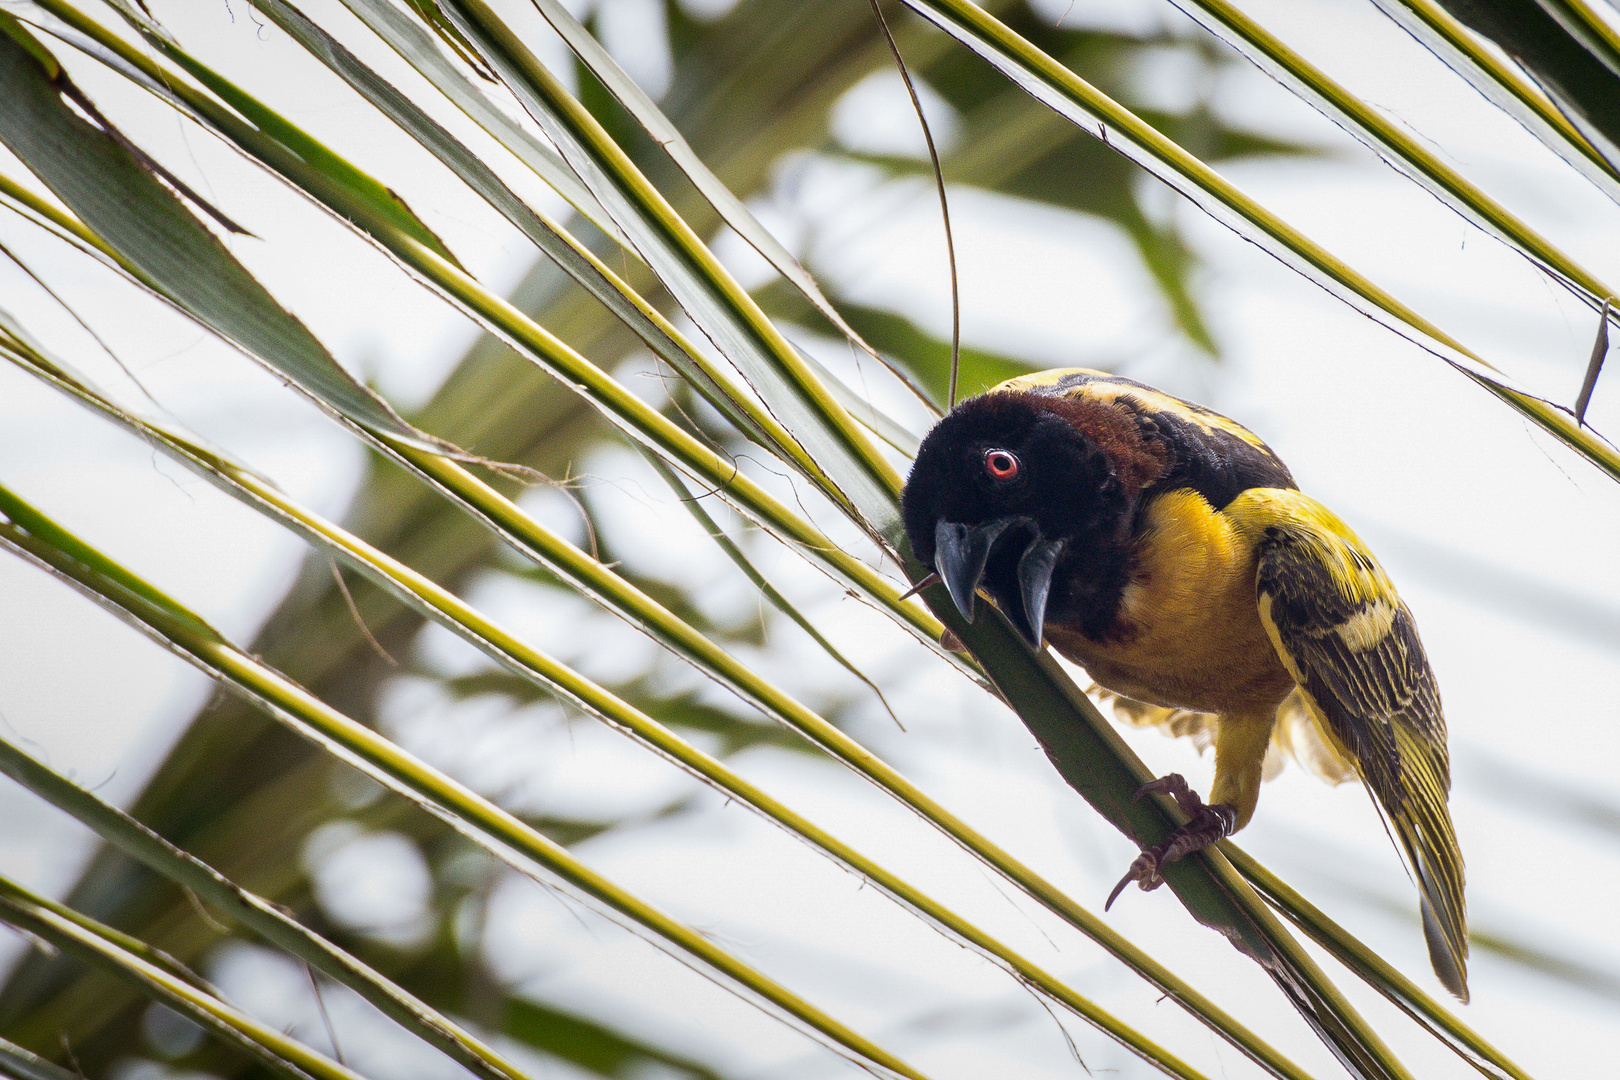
257, 914
99, 946
643, 423
1394, 145
468, 623
41, 540
611, 590
1373, 969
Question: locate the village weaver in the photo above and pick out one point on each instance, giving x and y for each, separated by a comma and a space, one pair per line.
1167, 550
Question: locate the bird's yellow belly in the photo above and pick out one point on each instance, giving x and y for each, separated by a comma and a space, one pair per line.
1188, 634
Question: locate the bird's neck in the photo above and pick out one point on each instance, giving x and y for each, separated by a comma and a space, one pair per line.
1094, 578
1087, 588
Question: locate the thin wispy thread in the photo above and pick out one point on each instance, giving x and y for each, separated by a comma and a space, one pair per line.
1600, 350
326, 1017
354, 613
944, 206
86, 327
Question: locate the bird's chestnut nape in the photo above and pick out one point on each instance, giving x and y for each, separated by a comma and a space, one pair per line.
1001, 488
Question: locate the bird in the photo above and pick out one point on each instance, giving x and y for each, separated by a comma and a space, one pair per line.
1168, 551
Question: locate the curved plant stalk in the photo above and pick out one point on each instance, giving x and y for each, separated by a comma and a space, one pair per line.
628, 412
1384, 138
1055, 86
666, 342
1374, 970
843, 462
118, 197
707, 466
257, 914
607, 588
19, 1064
730, 208
466, 622
1439, 32
41, 541
462, 619
101, 947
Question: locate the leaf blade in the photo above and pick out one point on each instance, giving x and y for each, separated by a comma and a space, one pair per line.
32, 535
124, 204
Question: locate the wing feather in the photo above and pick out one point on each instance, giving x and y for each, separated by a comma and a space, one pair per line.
1352, 646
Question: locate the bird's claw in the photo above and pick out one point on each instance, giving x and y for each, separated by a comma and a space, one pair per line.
1205, 825
1175, 786
1144, 871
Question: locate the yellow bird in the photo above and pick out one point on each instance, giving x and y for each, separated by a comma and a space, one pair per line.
1168, 551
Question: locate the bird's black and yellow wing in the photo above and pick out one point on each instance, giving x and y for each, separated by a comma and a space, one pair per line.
1351, 645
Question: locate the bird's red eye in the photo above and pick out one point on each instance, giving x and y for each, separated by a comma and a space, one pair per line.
1000, 464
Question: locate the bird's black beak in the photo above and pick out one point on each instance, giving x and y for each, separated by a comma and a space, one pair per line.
1035, 568
960, 554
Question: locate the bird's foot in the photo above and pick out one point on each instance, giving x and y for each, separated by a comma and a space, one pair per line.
1205, 825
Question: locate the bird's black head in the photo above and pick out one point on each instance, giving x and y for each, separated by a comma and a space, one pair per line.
1014, 491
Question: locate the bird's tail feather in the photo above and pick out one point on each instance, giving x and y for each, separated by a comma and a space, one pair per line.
1417, 808
1448, 951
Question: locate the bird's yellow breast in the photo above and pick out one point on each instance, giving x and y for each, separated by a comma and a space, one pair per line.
1188, 634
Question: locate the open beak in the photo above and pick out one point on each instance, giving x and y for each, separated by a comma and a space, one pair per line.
960, 554
1035, 568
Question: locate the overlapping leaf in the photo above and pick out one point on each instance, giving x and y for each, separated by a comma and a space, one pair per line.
119, 198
